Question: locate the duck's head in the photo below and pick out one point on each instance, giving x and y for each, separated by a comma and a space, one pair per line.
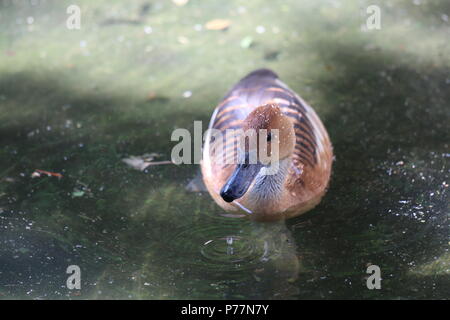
268, 137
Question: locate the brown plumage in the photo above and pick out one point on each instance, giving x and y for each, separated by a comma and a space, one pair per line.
261, 101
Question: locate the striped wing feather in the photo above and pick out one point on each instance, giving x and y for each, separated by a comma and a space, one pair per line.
263, 87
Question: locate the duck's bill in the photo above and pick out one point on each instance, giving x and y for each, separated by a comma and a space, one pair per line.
239, 182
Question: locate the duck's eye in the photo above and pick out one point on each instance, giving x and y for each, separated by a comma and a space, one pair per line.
269, 137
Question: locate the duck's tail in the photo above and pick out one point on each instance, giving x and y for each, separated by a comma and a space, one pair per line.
261, 73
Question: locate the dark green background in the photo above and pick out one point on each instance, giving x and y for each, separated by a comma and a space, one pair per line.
79, 101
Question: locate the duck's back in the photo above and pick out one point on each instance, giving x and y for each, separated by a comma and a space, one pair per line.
249, 93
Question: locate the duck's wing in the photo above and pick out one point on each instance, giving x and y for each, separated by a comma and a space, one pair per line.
246, 95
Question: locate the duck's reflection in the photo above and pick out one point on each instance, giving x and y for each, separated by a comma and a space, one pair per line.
273, 274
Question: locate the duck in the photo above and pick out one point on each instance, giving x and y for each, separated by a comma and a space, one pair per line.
285, 128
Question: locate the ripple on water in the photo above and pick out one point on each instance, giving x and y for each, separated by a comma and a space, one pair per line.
223, 246
235, 252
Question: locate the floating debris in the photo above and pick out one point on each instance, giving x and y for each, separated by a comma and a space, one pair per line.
148, 29
183, 40
142, 162
260, 29
247, 42
144, 9
37, 173
241, 10
77, 193
32, 133
271, 55
180, 3
187, 94
82, 190
218, 24
154, 97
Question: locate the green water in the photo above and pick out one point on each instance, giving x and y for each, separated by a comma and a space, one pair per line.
77, 102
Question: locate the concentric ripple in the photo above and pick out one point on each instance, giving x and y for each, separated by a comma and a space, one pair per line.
235, 250
224, 246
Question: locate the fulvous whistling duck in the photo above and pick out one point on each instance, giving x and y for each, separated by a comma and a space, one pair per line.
261, 101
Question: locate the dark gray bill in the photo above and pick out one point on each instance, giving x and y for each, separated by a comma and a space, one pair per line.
239, 182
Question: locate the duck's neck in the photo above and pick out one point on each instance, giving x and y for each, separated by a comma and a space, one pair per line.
269, 187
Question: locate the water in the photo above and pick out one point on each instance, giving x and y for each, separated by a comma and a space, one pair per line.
77, 102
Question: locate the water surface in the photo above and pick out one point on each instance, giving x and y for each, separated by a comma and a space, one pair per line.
77, 102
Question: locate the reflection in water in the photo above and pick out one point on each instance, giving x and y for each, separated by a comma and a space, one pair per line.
242, 258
